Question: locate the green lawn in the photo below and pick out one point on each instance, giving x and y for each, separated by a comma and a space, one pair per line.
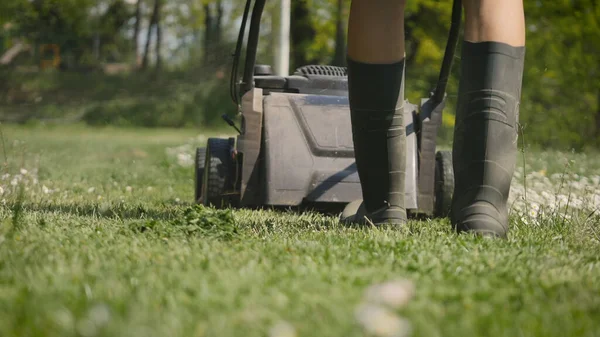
98, 238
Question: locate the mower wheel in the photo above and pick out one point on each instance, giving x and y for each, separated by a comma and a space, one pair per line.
199, 164
444, 183
217, 175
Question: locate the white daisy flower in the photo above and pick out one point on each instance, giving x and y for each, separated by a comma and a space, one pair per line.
395, 294
381, 322
282, 329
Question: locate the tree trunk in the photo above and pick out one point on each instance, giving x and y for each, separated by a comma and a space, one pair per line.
149, 35
302, 32
340, 37
217, 34
219, 23
208, 34
598, 117
158, 4
136, 29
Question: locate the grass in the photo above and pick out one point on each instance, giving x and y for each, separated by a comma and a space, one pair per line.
104, 242
194, 97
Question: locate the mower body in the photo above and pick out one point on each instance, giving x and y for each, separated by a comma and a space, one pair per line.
295, 144
307, 152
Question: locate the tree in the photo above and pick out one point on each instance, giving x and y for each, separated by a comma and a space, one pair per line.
158, 45
339, 58
213, 30
151, 25
219, 23
208, 33
302, 33
136, 28
598, 116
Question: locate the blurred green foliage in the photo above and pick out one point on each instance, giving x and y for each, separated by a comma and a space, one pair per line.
560, 99
170, 99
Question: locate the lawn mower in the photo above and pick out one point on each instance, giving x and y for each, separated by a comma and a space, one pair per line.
294, 147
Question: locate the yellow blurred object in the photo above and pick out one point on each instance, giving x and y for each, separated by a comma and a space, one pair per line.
448, 119
49, 56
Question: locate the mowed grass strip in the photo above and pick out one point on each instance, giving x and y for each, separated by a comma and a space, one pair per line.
112, 247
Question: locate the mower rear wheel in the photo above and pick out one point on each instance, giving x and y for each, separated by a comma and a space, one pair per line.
218, 173
199, 164
444, 183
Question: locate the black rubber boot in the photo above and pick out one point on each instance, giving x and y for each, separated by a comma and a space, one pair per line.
485, 136
376, 94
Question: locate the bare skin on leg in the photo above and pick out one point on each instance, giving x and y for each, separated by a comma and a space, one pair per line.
376, 27
495, 20
376, 31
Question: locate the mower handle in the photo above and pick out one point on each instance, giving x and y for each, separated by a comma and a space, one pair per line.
440, 90
253, 35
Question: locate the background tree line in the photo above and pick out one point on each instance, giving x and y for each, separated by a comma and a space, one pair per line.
180, 51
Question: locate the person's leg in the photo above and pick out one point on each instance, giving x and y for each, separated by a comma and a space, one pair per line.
375, 90
485, 135
376, 31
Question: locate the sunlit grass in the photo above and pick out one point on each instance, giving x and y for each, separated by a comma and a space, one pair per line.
99, 238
